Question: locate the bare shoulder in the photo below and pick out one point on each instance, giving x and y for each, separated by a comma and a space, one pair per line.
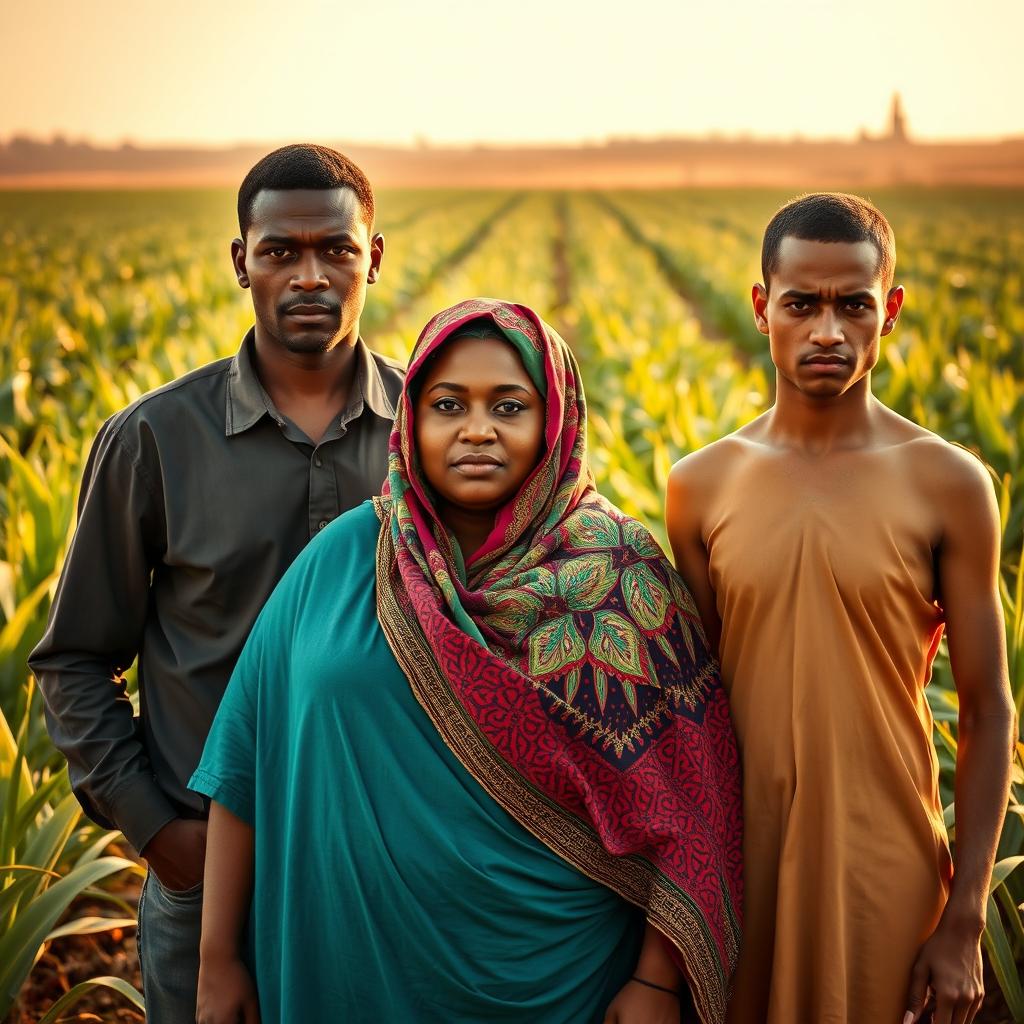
707, 468
696, 481
949, 475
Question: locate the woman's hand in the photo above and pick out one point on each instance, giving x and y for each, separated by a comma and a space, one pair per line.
638, 1004
226, 994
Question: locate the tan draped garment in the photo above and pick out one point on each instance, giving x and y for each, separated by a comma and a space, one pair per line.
824, 579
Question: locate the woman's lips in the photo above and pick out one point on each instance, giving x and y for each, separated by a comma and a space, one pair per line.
476, 465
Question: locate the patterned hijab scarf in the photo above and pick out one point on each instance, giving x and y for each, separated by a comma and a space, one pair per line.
566, 668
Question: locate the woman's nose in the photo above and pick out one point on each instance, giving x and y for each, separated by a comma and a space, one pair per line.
477, 429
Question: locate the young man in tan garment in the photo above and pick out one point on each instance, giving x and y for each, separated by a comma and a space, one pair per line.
828, 544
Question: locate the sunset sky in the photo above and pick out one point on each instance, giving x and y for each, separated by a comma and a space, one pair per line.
540, 70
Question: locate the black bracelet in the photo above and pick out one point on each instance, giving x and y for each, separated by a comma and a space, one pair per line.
650, 984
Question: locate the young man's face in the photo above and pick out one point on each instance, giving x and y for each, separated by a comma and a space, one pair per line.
824, 312
307, 257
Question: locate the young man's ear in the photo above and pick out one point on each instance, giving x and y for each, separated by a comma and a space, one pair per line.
893, 305
759, 298
376, 255
238, 262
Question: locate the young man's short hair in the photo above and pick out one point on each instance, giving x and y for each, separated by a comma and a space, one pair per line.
829, 217
303, 165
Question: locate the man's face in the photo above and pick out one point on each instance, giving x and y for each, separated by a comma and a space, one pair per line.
307, 257
825, 312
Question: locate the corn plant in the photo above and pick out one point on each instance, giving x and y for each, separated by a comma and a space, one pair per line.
47, 860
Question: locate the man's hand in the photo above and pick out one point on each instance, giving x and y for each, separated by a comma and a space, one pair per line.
176, 854
226, 994
638, 1004
949, 964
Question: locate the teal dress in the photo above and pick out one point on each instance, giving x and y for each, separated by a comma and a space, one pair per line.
389, 887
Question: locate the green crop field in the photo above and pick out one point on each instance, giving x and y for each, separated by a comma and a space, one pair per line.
104, 296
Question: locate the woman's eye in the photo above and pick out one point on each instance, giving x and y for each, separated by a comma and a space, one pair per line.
447, 405
510, 407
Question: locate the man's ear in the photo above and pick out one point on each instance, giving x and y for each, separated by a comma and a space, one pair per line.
238, 262
759, 298
893, 305
376, 255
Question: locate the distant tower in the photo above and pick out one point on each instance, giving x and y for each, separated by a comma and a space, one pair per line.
897, 120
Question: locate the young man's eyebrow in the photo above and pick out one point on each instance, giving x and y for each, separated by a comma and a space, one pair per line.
342, 236
864, 295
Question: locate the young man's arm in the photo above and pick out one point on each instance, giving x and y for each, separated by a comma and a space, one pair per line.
226, 991
93, 635
684, 508
968, 569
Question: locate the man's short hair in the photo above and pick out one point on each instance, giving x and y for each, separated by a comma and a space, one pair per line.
829, 217
303, 165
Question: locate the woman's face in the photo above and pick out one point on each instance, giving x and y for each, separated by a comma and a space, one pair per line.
479, 424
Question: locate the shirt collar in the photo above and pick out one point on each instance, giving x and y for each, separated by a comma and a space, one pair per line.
248, 401
369, 382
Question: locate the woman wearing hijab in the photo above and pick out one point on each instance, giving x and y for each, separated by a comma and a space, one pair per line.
488, 775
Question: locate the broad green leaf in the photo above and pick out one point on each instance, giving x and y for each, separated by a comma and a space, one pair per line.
1002, 871
21, 944
640, 540
74, 995
588, 528
517, 614
586, 581
46, 846
554, 645
1000, 955
91, 926
616, 644
646, 599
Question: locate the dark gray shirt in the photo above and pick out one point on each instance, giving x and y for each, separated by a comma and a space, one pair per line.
194, 502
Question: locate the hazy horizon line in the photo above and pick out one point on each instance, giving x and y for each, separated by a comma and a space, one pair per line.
425, 142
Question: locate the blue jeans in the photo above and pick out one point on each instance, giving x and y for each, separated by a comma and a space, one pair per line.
168, 943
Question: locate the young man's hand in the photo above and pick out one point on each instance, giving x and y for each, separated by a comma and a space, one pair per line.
176, 854
638, 1004
949, 964
226, 994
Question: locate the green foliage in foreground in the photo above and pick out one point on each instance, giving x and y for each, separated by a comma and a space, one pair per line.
104, 296
48, 859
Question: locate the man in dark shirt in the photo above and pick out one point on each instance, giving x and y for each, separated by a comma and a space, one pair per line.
195, 500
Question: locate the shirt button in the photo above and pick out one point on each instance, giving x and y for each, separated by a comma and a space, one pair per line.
317, 461
321, 524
